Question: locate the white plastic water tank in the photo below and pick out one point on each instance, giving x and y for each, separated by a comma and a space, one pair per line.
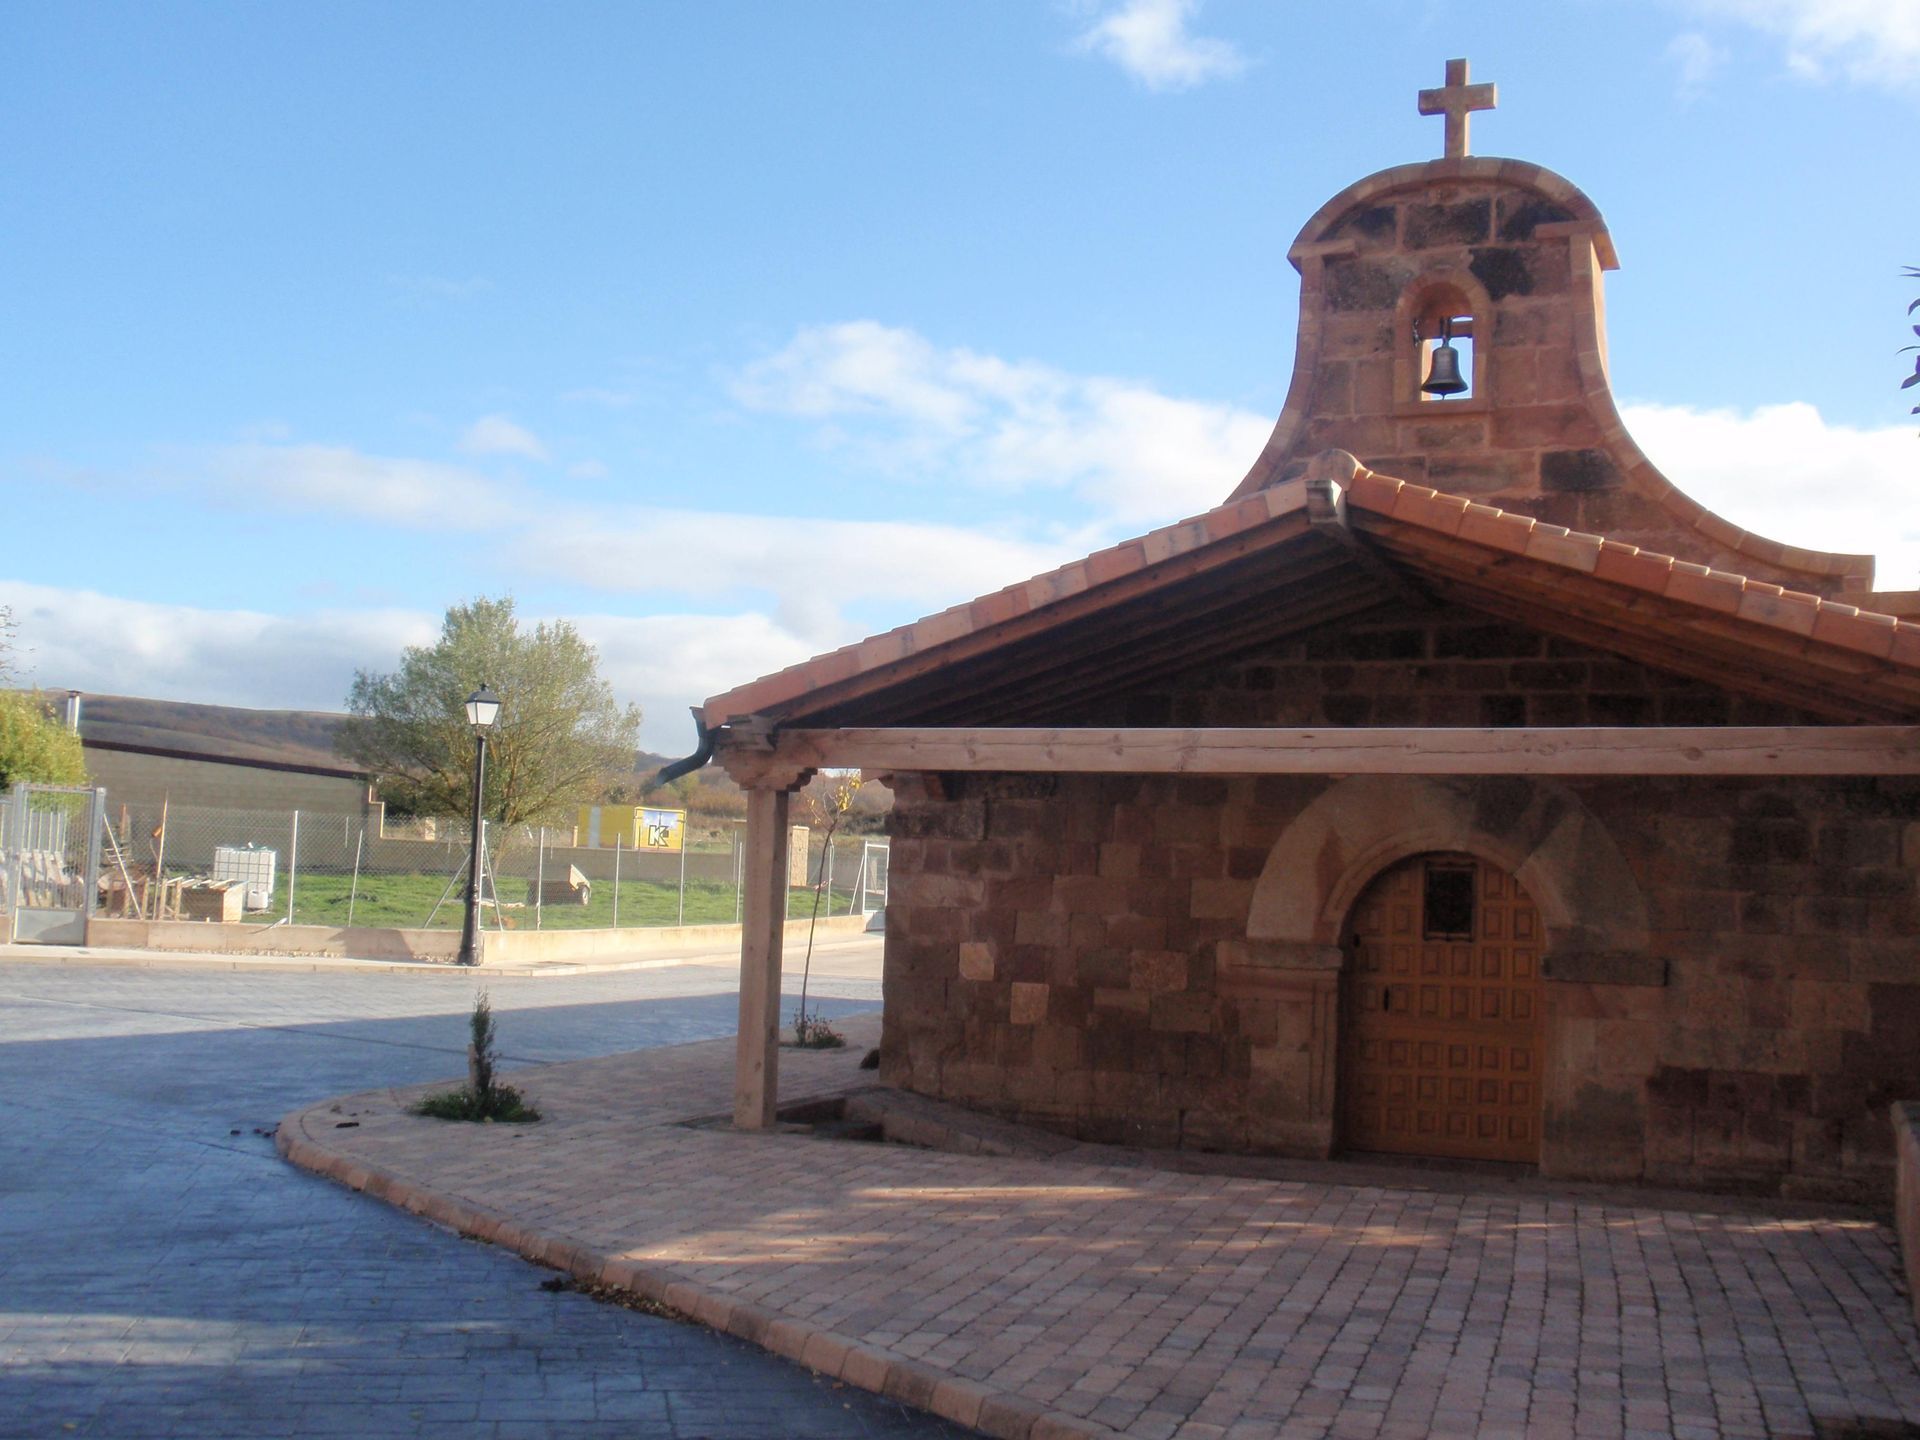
253, 866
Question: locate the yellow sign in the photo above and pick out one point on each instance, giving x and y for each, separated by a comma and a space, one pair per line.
662, 829
631, 827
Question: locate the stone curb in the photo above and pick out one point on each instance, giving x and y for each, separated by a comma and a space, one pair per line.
996, 1413
313, 965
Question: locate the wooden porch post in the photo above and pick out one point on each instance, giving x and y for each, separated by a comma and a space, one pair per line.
756, 1079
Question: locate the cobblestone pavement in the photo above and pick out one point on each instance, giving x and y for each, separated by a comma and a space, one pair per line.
164, 1273
1043, 1298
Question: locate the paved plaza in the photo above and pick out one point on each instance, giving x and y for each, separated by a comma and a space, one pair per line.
1051, 1297
163, 1273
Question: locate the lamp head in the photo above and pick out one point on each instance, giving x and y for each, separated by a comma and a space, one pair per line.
483, 708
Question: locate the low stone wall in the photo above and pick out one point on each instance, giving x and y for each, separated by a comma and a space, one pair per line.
497, 947
530, 947
360, 942
1906, 1141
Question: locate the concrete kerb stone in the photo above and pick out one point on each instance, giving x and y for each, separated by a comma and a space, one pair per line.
911, 1383
682, 945
958, 1400
1016, 1418
311, 965
993, 1413
825, 1352
784, 1337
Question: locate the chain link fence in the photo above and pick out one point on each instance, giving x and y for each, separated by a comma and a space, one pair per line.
303, 867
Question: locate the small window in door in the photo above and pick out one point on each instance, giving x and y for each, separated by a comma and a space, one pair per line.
1447, 906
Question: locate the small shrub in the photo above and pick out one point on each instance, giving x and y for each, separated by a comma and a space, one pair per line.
812, 1032
506, 1107
483, 1097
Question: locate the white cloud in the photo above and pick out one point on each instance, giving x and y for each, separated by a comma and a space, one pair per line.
1133, 454
1872, 42
497, 435
812, 568
333, 478
84, 640
863, 367
1149, 40
1697, 61
1784, 472
677, 661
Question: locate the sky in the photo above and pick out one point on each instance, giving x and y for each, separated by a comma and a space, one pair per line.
732, 333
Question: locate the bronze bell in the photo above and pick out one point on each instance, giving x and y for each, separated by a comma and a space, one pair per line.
1443, 375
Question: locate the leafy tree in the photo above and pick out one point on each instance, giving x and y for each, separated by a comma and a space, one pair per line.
34, 746
560, 731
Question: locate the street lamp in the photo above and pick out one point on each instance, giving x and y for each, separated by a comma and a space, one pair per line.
483, 708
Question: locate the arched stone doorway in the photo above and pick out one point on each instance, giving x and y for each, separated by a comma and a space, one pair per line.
1288, 977
1442, 1031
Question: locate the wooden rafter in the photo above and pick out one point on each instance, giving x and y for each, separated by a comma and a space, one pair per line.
1104, 644
1170, 659
1054, 614
1116, 664
1719, 649
1726, 673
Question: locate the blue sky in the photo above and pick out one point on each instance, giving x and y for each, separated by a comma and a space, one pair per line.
734, 332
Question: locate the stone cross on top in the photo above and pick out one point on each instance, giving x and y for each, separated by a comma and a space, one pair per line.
1456, 100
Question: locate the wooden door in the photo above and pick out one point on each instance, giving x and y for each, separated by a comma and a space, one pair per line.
1441, 1034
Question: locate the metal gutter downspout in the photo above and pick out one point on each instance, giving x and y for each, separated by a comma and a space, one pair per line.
701, 755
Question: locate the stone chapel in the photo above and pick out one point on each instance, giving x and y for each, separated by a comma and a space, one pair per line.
1458, 787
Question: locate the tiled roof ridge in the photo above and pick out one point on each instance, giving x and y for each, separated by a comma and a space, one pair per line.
1758, 602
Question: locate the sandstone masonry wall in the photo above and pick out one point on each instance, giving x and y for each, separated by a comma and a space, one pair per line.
1053, 948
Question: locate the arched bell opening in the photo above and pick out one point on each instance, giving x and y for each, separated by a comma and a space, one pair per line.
1440, 362
1443, 1031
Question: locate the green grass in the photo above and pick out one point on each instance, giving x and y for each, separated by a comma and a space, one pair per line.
404, 902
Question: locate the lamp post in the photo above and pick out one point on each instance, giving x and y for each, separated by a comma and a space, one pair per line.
483, 708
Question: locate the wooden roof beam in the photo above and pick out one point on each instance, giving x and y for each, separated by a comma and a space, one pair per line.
1588, 751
